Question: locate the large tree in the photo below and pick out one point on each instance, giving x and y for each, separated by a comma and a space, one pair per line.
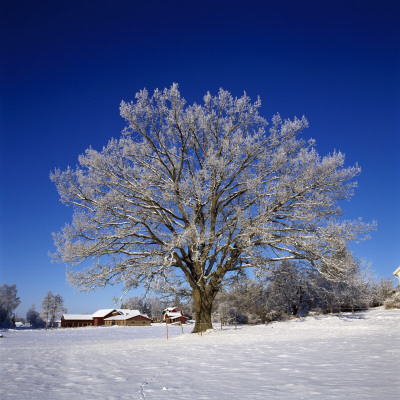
192, 194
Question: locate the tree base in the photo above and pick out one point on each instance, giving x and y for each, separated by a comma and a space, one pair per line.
199, 328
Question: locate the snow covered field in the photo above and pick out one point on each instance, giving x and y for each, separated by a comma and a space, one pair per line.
341, 357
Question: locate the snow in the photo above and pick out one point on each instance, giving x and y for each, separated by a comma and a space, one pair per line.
81, 317
125, 317
173, 314
127, 311
320, 357
102, 313
170, 309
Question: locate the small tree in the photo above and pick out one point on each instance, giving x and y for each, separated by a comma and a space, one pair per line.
222, 310
8, 303
244, 302
383, 290
52, 307
356, 289
191, 195
290, 289
34, 319
393, 301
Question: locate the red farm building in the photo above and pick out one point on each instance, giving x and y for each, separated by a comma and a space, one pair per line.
76, 320
172, 315
130, 319
100, 315
109, 316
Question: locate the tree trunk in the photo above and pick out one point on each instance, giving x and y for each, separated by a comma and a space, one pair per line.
202, 308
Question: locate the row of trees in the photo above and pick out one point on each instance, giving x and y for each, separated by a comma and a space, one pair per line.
292, 289
52, 307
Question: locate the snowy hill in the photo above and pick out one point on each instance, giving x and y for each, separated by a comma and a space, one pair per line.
323, 357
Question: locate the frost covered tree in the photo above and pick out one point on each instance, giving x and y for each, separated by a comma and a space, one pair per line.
157, 306
133, 303
34, 319
356, 289
52, 308
246, 299
137, 303
8, 303
383, 290
291, 288
393, 301
193, 194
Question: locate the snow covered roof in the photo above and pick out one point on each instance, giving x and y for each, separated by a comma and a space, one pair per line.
103, 313
126, 311
125, 317
119, 318
86, 317
174, 314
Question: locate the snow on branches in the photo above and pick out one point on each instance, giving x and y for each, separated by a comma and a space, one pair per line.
191, 194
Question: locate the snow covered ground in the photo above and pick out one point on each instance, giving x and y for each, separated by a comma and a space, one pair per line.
341, 357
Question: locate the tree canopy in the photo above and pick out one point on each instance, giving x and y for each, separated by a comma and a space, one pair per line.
191, 195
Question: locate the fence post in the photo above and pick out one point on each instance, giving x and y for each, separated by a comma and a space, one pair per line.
166, 325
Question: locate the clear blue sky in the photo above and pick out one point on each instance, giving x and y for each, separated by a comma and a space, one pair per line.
65, 67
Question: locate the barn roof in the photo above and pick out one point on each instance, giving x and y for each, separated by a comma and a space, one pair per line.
103, 313
170, 309
174, 314
86, 317
127, 311
125, 317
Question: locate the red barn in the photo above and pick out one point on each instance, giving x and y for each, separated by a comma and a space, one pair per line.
100, 315
131, 319
76, 320
109, 316
172, 315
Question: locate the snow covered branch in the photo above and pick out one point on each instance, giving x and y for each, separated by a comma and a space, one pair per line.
201, 191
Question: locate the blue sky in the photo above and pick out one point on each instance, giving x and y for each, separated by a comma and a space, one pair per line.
65, 67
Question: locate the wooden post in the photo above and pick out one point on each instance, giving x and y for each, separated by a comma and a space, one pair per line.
166, 324
182, 327
235, 322
201, 329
